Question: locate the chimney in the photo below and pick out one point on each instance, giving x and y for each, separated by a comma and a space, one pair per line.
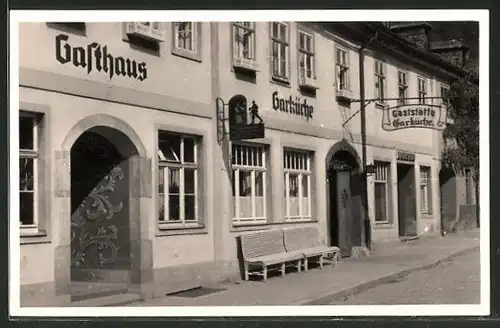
417, 33
454, 51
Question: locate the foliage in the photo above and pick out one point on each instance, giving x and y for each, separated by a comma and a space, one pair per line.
463, 150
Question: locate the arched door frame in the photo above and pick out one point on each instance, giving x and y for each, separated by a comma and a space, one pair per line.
341, 145
140, 185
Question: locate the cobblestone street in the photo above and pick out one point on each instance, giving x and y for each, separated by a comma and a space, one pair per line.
455, 281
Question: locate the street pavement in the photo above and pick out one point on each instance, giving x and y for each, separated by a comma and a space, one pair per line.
455, 281
389, 261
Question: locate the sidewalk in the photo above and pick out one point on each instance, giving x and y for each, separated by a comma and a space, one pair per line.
387, 262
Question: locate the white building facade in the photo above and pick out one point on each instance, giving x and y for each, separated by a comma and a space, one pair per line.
126, 179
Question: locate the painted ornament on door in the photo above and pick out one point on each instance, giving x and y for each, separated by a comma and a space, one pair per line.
97, 209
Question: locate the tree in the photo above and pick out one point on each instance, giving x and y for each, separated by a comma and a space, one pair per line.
461, 149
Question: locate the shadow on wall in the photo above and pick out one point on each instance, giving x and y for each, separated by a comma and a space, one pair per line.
467, 218
240, 257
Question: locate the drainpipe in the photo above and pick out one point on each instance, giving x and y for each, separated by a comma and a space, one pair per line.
366, 218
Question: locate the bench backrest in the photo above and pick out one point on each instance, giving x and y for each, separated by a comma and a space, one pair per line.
301, 238
262, 243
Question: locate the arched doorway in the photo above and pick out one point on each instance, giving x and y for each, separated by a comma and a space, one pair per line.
102, 212
344, 197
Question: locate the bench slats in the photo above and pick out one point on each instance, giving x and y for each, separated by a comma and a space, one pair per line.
301, 238
262, 244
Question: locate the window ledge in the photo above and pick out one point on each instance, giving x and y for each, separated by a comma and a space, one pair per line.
195, 56
427, 216
280, 80
268, 225
384, 225
169, 229
297, 221
240, 227
34, 237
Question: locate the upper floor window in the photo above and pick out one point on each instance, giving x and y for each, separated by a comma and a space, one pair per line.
178, 172
402, 87
28, 173
306, 55
297, 167
280, 50
249, 183
445, 94
186, 35
380, 81
244, 40
342, 69
422, 90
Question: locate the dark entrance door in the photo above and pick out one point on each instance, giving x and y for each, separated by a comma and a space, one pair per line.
344, 202
407, 211
100, 232
344, 213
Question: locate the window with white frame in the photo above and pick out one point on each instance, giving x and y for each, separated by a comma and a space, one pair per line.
186, 36
178, 175
280, 51
306, 55
244, 40
380, 81
422, 90
28, 173
342, 68
382, 185
249, 184
425, 190
402, 87
297, 168
445, 96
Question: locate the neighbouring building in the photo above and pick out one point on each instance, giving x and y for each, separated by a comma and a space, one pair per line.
127, 183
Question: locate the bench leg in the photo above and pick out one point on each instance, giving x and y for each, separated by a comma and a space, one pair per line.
306, 264
247, 275
321, 261
336, 258
299, 265
283, 269
264, 273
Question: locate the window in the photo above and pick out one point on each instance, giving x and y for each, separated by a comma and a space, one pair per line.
380, 85
280, 44
186, 36
28, 173
244, 40
425, 190
382, 187
249, 184
468, 187
342, 69
402, 87
306, 56
445, 94
178, 178
297, 167
422, 90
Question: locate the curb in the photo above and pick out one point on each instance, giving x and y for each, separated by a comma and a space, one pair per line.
324, 299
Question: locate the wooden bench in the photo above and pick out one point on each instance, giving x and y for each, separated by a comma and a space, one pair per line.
307, 241
265, 250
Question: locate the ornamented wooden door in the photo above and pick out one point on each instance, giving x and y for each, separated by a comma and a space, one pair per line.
344, 212
100, 236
